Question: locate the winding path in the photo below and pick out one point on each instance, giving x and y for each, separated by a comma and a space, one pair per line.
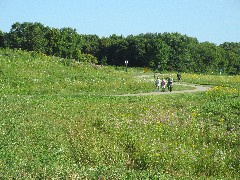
198, 88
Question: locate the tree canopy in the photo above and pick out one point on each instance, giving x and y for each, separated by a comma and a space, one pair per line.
166, 51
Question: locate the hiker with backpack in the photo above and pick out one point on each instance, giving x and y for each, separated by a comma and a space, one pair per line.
179, 76
170, 83
157, 83
163, 84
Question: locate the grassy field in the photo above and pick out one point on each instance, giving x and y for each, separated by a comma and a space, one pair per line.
58, 121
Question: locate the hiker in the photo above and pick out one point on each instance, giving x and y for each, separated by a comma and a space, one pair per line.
170, 83
157, 83
163, 84
179, 76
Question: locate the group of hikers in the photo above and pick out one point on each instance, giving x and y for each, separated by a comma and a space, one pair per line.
161, 84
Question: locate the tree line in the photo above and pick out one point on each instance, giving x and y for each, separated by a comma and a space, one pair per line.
162, 51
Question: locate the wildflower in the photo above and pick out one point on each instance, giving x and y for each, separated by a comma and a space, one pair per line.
221, 120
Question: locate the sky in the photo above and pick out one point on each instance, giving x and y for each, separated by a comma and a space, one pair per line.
215, 21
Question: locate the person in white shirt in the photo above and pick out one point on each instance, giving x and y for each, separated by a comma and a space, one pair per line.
157, 83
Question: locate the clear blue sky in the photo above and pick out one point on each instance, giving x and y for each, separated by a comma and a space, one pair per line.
216, 21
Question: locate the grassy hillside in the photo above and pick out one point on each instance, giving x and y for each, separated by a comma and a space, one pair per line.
31, 73
58, 121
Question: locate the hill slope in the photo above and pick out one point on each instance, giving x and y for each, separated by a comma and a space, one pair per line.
55, 125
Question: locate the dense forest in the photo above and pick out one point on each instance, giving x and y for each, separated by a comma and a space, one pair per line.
161, 51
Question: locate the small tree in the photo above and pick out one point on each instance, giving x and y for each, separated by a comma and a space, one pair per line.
1, 39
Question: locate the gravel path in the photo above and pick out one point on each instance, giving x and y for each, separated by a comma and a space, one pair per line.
198, 88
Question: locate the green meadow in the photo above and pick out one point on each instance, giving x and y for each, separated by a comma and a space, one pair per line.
61, 119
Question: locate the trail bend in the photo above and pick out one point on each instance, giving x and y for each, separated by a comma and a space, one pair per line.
197, 88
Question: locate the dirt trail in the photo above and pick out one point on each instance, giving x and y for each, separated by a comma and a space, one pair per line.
198, 88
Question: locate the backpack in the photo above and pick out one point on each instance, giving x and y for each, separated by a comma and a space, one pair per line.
163, 83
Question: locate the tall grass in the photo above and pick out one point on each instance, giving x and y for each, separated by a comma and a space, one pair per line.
48, 130
31, 73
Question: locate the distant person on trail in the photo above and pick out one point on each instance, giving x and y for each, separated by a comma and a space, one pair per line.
157, 83
179, 76
170, 83
163, 84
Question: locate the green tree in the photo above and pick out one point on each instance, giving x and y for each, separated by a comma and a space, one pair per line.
63, 42
210, 56
232, 55
181, 50
16, 36
156, 51
54, 42
115, 49
90, 44
28, 36
136, 51
68, 42
1, 39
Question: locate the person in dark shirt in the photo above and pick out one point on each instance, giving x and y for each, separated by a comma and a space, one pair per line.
179, 77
